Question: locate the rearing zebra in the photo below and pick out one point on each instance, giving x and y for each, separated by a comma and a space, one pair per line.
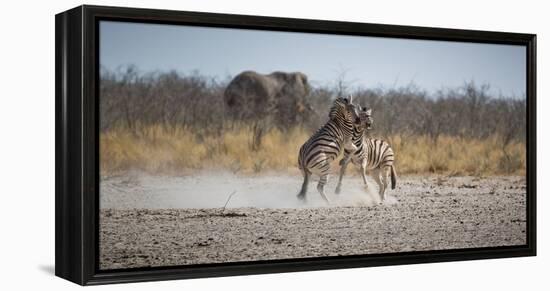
370, 154
325, 145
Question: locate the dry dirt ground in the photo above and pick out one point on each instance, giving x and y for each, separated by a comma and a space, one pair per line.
165, 221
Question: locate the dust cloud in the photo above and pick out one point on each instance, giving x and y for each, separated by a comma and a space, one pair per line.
212, 190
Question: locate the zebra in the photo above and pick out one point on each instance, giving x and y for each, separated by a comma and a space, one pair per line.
317, 153
370, 154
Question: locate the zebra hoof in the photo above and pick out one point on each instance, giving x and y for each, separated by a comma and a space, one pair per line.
337, 191
301, 197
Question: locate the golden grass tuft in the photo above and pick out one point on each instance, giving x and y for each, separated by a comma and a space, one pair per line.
157, 149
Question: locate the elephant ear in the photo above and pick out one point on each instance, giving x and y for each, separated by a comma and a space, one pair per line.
305, 83
303, 78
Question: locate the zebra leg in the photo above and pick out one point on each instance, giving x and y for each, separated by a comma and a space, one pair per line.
385, 179
320, 187
344, 163
363, 172
302, 194
378, 180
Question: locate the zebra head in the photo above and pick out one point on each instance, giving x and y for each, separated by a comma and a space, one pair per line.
365, 116
344, 110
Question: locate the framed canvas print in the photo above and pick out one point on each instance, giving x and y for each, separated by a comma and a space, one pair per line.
198, 144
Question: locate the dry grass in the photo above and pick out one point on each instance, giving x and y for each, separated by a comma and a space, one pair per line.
459, 156
159, 150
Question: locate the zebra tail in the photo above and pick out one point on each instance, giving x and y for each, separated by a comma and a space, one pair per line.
393, 177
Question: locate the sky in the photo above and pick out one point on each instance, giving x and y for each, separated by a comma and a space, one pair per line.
366, 62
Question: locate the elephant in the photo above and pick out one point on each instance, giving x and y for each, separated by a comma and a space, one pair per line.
277, 99
252, 96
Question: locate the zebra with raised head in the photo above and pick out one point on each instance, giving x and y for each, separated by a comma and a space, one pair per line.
369, 154
317, 153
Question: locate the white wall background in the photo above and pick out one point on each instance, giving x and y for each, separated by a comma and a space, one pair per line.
27, 144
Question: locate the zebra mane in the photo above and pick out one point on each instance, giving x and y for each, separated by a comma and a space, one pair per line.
337, 108
339, 116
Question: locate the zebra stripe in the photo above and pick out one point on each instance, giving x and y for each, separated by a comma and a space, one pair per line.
325, 145
370, 154
379, 153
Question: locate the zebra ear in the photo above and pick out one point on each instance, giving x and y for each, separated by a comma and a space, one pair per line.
350, 99
369, 112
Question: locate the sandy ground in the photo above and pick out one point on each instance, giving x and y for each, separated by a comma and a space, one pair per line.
165, 221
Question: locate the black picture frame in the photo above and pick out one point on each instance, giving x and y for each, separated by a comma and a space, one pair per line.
77, 150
